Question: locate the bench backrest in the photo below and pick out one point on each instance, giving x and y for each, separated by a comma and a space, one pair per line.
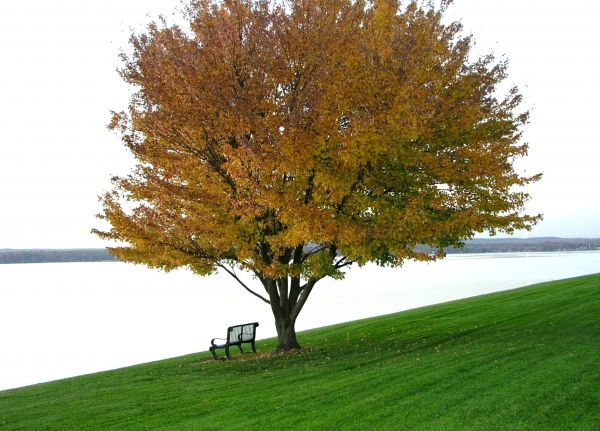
245, 332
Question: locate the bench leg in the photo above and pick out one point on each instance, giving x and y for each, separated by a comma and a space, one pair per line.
212, 350
227, 352
253, 346
241, 350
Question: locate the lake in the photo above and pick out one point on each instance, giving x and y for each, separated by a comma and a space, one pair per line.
65, 319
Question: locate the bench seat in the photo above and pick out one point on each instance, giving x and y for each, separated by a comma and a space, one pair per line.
236, 336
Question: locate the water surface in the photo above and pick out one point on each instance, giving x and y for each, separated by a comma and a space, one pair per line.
64, 319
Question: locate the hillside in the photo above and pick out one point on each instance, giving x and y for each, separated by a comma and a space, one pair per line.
527, 359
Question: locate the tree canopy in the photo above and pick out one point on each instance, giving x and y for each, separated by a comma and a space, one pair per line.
293, 139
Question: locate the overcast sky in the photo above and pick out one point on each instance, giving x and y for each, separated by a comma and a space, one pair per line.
58, 83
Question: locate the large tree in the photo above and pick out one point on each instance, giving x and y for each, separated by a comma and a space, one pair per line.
293, 139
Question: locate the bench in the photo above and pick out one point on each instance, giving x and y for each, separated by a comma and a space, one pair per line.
236, 335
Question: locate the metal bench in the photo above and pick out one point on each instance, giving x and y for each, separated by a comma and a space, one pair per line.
236, 335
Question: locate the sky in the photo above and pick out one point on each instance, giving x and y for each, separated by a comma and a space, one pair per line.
58, 82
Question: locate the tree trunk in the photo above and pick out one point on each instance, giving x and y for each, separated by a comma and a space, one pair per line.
286, 334
287, 297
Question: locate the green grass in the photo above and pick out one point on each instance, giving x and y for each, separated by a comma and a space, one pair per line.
527, 359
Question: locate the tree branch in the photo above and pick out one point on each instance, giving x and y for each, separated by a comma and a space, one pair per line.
209, 156
282, 285
359, 178
309, 190
314, 251
306, 289
343, 258
234, 275
338, 266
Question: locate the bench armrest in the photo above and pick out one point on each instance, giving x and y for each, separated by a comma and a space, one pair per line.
213, 340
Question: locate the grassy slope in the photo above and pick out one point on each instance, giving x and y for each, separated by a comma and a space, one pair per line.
523, 359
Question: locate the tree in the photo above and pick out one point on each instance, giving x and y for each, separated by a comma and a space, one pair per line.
295, 139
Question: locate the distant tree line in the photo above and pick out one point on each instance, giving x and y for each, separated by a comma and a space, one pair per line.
507, 245
55, 255
491, 245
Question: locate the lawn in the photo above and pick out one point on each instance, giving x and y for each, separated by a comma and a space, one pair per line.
526, 359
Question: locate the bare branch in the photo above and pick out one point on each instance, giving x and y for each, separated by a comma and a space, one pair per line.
306, 289
343, 258
340, 263
232, 273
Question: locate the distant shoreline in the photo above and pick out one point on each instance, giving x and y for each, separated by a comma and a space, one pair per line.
514, 245
487, 245
12, 256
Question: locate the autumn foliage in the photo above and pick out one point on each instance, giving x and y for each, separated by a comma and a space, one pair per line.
293, 139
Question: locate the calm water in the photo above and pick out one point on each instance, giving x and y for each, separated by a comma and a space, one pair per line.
65, 319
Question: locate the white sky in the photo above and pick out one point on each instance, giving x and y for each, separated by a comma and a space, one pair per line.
58, 83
